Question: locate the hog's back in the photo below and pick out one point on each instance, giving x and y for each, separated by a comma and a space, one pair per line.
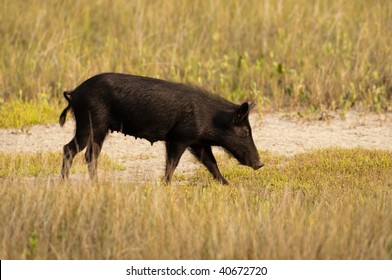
146, 107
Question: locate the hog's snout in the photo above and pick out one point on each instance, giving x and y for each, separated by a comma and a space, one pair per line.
258, 165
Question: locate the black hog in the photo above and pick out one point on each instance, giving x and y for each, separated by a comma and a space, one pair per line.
183, 116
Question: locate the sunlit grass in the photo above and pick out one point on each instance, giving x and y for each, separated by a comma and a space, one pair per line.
327, 204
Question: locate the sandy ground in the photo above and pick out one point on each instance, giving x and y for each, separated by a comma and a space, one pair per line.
275, 132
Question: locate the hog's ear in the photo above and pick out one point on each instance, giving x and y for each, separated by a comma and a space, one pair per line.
241, 113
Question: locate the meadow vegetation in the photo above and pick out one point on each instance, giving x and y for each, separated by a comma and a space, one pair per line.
327, 204
294, 55
288, 54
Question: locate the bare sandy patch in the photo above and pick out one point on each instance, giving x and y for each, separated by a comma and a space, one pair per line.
275, 132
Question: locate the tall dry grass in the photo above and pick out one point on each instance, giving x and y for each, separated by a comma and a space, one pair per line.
284, 54
340, 208
112, 220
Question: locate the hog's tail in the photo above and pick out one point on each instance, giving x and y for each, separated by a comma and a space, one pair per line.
67, 95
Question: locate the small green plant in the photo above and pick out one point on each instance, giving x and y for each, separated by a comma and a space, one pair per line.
31, 246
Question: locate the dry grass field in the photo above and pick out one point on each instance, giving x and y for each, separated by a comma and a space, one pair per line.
287, 54
303, 57
326, 204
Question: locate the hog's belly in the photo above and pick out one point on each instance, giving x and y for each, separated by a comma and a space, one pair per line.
150, 132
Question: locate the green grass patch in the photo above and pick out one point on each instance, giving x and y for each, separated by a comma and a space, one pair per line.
332, 167
325, 204
18, 113
18, 165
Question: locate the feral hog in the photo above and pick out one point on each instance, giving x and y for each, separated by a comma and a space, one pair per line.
183, 116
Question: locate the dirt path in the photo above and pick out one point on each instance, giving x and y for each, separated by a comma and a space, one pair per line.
273, 132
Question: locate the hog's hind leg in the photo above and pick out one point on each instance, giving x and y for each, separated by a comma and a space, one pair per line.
92, 153
77, 144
